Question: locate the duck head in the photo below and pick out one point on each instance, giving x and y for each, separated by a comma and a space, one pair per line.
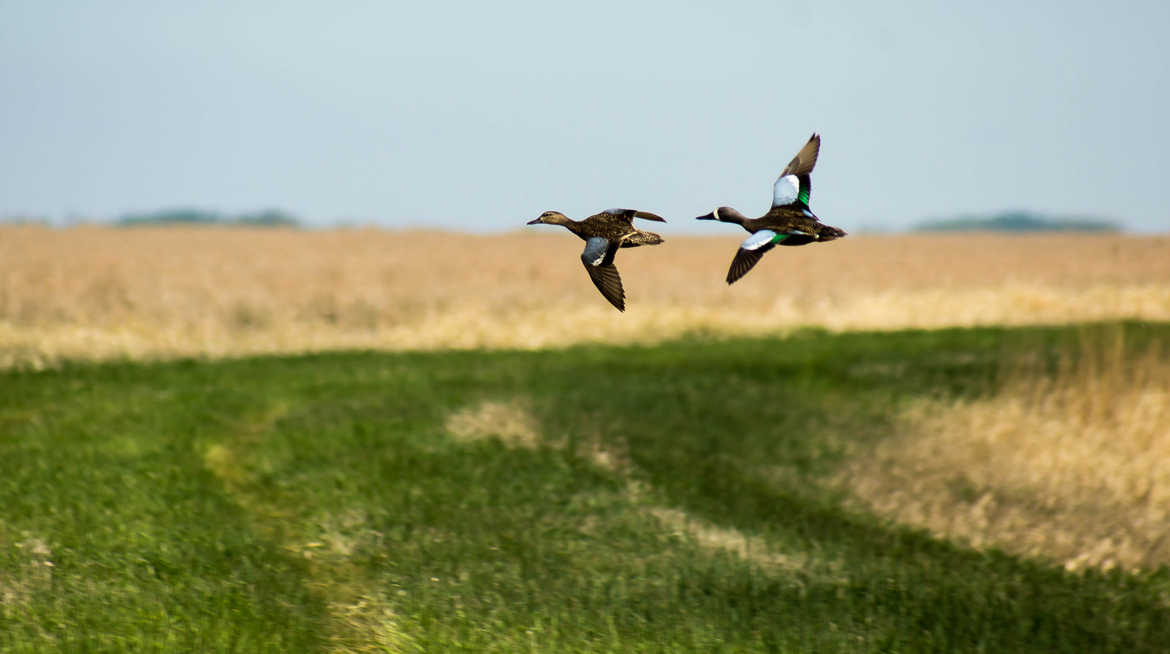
550, 218
724, 214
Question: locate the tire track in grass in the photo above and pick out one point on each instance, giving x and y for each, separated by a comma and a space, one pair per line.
360, 620
513, 423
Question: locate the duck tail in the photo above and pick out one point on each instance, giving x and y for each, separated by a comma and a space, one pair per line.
828, 232
642, 238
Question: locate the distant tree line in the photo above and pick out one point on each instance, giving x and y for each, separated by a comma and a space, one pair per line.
1017, 221
1005, 221
189, 216
39, 221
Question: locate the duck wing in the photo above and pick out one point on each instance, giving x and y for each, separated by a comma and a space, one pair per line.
646, 215
751, 251
598, 259
631, 214
794, 185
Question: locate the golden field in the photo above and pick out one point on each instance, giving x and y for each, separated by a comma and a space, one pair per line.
101, 292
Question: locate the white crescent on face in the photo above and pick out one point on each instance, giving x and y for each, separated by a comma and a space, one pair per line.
786, 190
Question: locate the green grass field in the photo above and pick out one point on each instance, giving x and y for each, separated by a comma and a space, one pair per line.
667, 498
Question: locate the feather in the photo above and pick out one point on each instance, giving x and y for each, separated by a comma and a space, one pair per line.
598, 259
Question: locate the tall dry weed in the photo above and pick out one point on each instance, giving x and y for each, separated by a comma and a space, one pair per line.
1073, 466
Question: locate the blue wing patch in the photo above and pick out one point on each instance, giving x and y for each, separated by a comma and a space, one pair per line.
595, 250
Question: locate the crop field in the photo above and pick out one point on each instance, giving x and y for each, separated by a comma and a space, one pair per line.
92, 292
232, 440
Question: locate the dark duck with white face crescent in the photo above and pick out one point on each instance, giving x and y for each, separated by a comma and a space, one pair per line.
790, 221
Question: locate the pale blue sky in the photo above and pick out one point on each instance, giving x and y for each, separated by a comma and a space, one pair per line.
481, 115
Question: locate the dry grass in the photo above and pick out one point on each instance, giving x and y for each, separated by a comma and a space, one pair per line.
32, 577
732, 541
1072, 467
512, 422
91, 292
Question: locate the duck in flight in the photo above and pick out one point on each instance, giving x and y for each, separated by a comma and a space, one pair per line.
603, 234
788, 222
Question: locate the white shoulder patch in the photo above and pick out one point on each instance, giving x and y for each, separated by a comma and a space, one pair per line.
758, 240
786, 190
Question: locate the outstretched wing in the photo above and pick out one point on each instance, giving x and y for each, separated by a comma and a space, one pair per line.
751, 251
806, 159
631, 214
598, 259
795, 184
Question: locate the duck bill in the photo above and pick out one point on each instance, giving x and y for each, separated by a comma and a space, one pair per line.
710, 216
534, 222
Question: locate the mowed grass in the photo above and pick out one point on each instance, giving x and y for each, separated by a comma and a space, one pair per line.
679, 497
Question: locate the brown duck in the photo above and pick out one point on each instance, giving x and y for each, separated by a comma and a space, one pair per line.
788, 222
603, 234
